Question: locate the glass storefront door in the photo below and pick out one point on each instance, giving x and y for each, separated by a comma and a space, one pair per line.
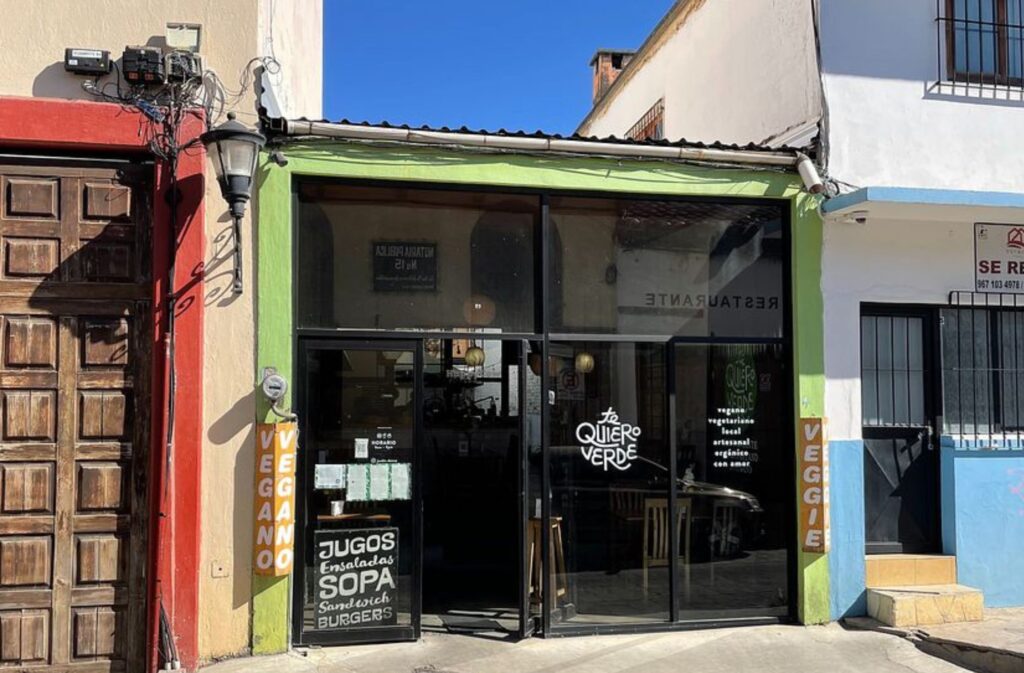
414, 483
733, 466
473, 474
359, 579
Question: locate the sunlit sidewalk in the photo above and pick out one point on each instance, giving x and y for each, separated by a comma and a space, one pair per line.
789, 649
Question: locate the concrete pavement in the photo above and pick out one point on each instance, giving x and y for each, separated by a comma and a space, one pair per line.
764, 649
994, 645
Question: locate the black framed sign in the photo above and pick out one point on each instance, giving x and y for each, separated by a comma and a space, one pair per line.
356, 578
404, 266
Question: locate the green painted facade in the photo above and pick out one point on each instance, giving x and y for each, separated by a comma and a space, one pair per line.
271, 597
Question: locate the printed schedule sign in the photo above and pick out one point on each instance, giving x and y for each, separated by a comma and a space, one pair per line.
356, 578
998, 258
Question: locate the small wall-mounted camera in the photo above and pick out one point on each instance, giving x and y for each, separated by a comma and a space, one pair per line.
857, 217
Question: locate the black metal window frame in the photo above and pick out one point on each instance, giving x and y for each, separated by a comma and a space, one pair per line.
976, 75
992, 373
543, 243
930, 348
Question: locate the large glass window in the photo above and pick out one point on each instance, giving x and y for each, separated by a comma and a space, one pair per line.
734, 480
609, 455
666, 268
394, 258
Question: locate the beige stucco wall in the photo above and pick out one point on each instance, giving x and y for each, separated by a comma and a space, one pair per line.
729, 70
292, 32
34, 34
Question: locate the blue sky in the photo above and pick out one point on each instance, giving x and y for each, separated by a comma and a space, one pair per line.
483, 64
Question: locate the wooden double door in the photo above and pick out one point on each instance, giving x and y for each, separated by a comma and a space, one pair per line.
74, 423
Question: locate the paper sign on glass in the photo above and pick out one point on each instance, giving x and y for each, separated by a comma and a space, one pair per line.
380, 481
329, 477
400, 482
356, 486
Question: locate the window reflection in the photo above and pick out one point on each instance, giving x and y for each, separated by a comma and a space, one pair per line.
609, 482
734, 480
377, 258
667, 268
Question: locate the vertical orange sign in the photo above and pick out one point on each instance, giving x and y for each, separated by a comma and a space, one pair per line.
275, 498
813, 465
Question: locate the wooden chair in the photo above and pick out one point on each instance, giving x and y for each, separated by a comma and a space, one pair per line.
626, 506
656, 534
559, 578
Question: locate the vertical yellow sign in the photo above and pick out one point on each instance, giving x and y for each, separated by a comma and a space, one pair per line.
273, 553
815, 535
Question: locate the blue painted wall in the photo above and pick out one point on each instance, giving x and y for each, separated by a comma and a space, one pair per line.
947, 489
983, 484
846, 516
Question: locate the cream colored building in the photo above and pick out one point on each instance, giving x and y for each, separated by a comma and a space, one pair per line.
731, 70
34, 35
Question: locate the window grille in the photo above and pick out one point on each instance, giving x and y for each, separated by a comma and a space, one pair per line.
651, 126
893, 370
980, 44
982, 338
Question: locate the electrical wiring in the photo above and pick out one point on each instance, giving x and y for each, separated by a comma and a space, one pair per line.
206, 91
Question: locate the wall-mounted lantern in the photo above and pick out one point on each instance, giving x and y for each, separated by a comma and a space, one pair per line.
234, 149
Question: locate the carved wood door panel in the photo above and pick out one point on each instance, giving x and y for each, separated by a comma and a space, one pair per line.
74, 418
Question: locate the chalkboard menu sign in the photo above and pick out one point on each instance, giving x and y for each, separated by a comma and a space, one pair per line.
404, 267
356, 578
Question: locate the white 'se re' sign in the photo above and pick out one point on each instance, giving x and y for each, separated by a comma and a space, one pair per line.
998, 258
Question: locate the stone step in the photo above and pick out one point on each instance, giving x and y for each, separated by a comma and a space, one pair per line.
923, 605
901, 570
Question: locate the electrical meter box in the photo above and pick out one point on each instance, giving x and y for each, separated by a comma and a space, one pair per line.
183, 65
87, 61
143, 65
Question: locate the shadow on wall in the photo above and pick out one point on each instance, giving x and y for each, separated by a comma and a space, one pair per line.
54, 82
218, 273
236, 421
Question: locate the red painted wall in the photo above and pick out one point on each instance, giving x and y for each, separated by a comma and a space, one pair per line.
104, 128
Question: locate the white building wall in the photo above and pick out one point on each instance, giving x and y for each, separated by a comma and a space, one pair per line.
905, 255
732, 70
888, 127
